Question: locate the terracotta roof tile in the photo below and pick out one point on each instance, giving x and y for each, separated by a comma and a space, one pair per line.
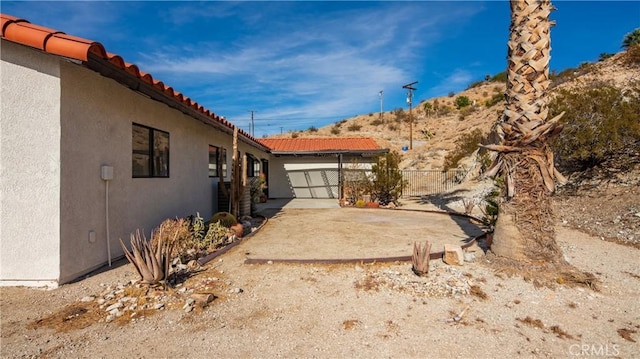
55, 42
320, 144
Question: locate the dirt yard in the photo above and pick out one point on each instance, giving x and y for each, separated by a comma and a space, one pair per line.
348, 310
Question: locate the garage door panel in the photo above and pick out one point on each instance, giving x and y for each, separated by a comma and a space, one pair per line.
314, 183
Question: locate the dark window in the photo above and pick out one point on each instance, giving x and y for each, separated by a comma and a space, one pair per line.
253, 166
150, 156
213, 161
214, 153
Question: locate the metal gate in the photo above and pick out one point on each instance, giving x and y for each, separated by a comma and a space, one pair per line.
314, 183
424, 182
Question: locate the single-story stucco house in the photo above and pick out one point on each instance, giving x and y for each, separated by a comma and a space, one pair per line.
92, 149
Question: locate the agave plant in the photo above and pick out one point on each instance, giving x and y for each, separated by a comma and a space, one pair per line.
150, 258
420, 258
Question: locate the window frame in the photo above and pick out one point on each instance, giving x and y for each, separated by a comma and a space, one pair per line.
155, 156
215, 162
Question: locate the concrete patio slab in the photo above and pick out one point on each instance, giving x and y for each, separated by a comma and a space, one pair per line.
345, 233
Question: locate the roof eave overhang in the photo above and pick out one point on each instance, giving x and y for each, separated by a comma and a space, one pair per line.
106, 69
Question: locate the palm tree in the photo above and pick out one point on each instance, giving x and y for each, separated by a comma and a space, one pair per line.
525, 227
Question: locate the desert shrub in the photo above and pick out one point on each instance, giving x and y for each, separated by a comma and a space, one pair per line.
466, 112
387, 181
377, 122
225, 218
354, 127
475, 84
451, 94
465, 146
499, 77
444, 110
294, 135
355, 182
598, 123
335, 130
176, 232
462, 101
340, 123
312, 129
393, 127
370, 114
605, 55
570, 73
494, 99
399, 114
632, 56
485, 94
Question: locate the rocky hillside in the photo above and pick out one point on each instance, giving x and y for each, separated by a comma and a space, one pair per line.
437, 131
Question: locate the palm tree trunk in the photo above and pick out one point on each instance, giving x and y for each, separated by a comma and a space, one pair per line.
525, 227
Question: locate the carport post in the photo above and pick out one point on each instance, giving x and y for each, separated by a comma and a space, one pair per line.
339, 176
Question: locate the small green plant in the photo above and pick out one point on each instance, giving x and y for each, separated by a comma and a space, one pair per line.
354, 127
427, 107
490, 208
462, 101
225, 218
499, 77
387, 181
216, 236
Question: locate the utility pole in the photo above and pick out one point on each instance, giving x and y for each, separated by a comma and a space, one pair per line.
410, 88
381, 95
253, 126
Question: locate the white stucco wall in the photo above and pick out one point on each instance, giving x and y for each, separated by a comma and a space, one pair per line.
97, 117
60, 123
29, 167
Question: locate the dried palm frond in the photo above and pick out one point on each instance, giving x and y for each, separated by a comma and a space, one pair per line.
420, 258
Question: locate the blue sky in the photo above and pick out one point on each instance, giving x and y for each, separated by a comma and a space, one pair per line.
302, 64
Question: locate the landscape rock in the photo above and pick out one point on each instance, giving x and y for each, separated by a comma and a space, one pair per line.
453, 254
202, 299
